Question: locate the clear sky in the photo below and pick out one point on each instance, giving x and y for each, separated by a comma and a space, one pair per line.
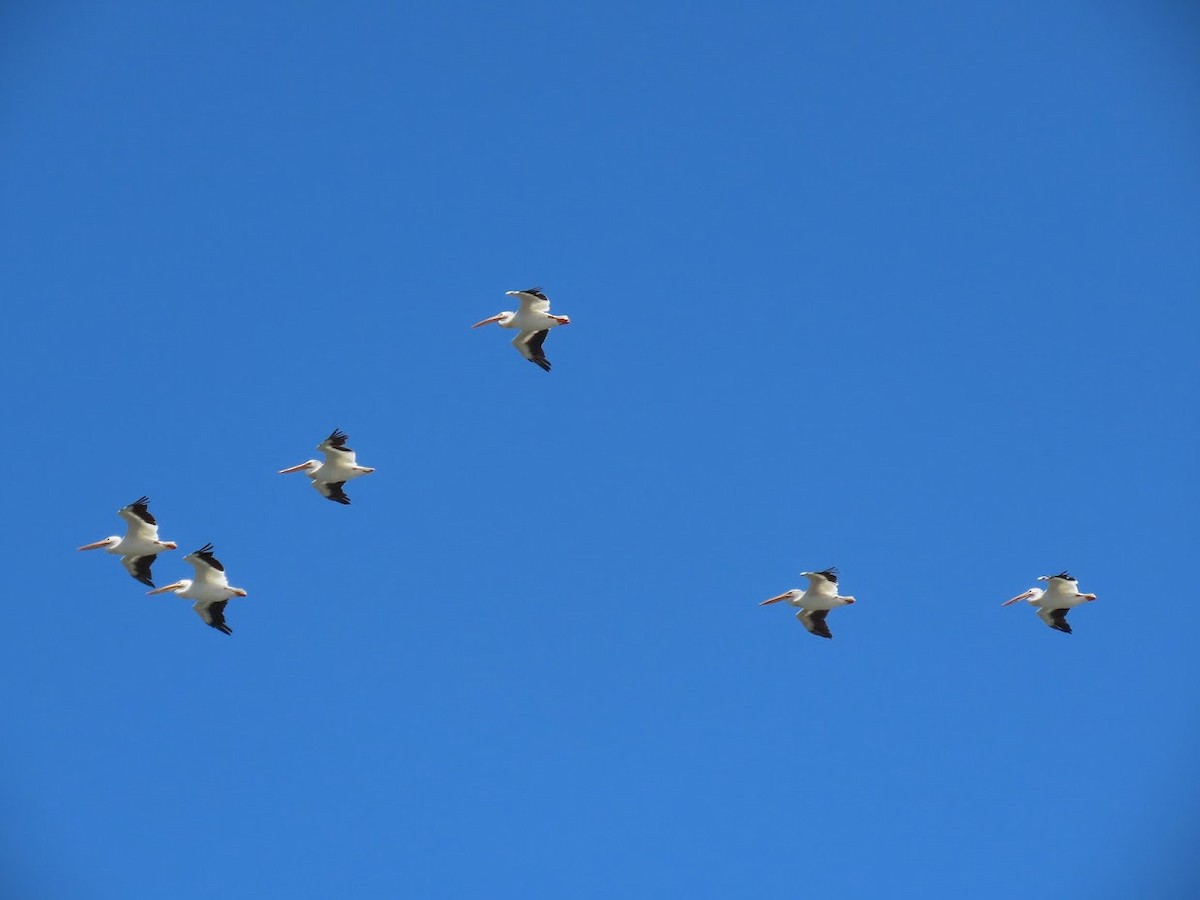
905, 288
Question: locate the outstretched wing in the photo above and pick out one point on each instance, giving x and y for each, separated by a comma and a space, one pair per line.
140, 523
1055, 618
336, 450
529, 345
332, 490
213, 614
532, 300
139, 567
208, 568
814, 621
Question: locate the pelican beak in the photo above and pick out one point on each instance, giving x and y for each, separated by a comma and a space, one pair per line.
95, 546
495, 318
1017, 598
774, 599
302, 465
163, 590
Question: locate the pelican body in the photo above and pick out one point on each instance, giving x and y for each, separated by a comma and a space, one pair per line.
341, 465
814, 604
533, 320
1060, 597
140, 545
210, 588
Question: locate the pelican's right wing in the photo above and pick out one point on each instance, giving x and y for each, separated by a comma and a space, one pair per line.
529, 345
814, 621
1055, 618
332, 490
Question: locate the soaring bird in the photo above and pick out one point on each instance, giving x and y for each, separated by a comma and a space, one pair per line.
534, 320
1053, 603
140, 545
814, 604
210, 588
341, 465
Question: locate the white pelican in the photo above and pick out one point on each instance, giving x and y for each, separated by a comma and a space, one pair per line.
140, 544
1053, 604
814, 604
535, 321
341, 465
210, 588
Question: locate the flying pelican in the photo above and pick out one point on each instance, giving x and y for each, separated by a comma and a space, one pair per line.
1053, 603
535, 321
341, 465
210, 588
140, 545
814, 604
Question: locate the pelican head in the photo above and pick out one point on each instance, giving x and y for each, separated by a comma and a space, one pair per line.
503, 318
787, 595
1033, 595
110, 541
309, 466
177, 588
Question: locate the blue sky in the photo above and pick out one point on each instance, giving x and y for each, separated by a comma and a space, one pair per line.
909, 291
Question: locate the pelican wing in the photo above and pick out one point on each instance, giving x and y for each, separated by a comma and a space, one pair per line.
208, 568
830, 575
1062, 581
140, 524
213, 615
814, 621
139, 567
336, 450
332, 490
823, 583
532, 300
529, 345
1055, 618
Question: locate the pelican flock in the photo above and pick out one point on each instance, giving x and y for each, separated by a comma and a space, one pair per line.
533, 321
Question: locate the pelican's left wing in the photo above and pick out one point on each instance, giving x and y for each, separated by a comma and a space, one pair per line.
336, 449
208, 568
137, 517
532, 300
